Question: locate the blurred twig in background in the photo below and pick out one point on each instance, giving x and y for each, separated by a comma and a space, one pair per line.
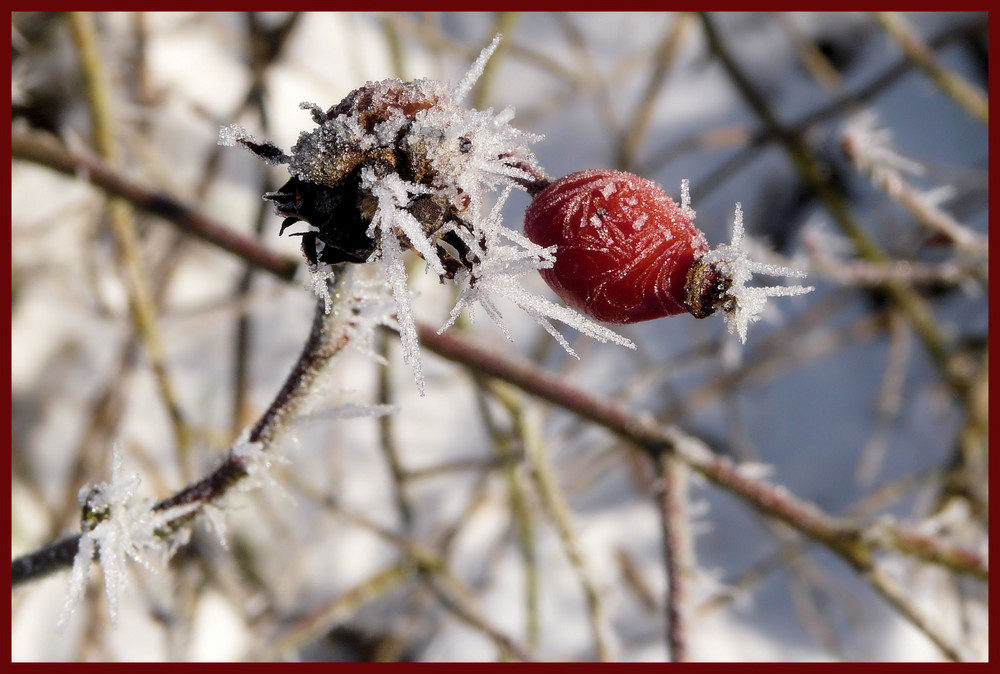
509, 514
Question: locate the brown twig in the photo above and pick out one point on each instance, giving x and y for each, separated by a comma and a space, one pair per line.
46, 150
671, 493
970, 98
852, 542
323, 343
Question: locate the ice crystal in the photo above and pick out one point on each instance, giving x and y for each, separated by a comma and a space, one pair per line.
505, 256
686, 209
216, 519
870, 146
256, 461
370, 305
746, 303
348, 411
320, 277
117, 526
391, 256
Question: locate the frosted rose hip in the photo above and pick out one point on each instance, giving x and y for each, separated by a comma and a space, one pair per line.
624, 248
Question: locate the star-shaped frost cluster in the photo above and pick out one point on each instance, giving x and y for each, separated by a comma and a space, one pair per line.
116, 526
744, 304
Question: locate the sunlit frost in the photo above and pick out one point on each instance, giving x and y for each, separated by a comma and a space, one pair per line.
748, 301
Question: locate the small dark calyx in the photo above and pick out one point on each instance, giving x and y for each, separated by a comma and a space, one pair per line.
333, 213
340, 216
707, 290
268, 151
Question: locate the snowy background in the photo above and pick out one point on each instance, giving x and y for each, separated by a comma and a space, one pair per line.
834, 395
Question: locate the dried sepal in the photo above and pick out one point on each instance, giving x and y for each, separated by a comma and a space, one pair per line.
730, 267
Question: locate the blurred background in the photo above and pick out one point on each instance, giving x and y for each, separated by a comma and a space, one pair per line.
424, 535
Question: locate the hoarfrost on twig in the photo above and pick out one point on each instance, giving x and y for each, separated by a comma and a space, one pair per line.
117, 526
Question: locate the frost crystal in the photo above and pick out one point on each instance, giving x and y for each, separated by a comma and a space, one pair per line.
747, 303
319, 283
686, 209
371, 305
476, 70
494, 274
256, 461
871, 148
348, 411
116, 526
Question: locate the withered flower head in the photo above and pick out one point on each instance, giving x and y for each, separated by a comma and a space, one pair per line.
437, 159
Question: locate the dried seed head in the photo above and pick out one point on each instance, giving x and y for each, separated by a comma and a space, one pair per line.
439, 159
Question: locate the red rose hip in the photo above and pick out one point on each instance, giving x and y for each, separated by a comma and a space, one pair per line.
625, 250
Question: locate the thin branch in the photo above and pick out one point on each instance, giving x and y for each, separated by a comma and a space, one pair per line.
810, 55
890, 398
46, 150
900, 600
868, 156
666, 53
386, 435
844, 537
264, 45
591, 77
454, 595
971, 99
835, 108
555, 504
503, 442
123, 225
325, 341
671, 493
318, 622
811, 171
852, 542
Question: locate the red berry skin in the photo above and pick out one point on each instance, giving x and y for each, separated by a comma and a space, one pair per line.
624, 248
